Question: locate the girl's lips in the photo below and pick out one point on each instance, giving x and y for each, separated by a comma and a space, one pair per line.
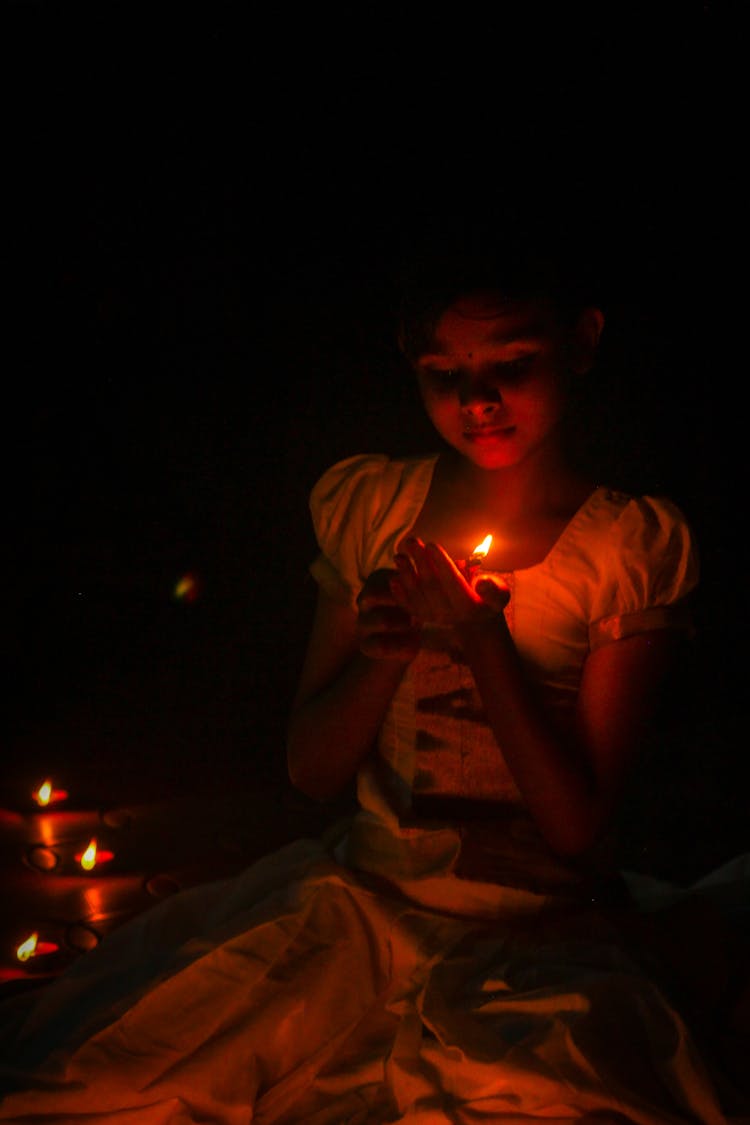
489, 433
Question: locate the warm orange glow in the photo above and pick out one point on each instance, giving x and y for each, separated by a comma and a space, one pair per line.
32, 947
88, 859
187, 588
483, 548
93, 856
27, 948
46, 795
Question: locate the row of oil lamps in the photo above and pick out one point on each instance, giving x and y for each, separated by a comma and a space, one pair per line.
92, 856
187, 589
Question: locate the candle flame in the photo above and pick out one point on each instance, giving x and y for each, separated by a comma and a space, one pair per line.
88, 859
43, 793
483, 547
27, 948
46, 795
93, 856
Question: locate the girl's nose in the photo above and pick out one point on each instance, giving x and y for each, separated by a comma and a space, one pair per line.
478, 395
475, 415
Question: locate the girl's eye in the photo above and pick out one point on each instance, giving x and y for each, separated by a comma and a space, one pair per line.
443, 379
514, 369
446, 379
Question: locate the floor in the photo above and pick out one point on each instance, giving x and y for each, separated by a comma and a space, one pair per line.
156, 614
170, 759
147, 848
154, 700
175, 767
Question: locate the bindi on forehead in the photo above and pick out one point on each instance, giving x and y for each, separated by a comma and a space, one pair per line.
499, 327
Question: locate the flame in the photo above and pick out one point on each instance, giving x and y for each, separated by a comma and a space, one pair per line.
88, 859
46, 795
43, 793
483, 547
27, 948
32, 947
93, 856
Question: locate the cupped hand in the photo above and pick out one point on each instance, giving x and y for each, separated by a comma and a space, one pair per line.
386, 629
433, 590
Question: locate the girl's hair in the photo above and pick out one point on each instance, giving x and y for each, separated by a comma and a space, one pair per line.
522, 260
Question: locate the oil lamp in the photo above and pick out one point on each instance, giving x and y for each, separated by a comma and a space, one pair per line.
470, 566
93, 856
47, 795
33, 947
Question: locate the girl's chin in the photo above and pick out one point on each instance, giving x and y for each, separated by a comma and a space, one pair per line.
492, 463
491, 457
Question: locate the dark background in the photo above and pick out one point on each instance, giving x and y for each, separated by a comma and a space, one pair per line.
202, 218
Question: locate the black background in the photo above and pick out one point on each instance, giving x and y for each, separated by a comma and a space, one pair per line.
202, 218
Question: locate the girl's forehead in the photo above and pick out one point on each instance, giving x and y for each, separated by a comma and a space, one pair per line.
483, 304
488, 317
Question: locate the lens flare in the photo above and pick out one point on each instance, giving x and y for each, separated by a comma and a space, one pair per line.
187, 588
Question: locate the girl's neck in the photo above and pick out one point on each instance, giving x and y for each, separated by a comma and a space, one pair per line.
544, 486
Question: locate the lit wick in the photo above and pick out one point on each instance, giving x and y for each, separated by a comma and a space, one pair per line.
93, 856
32, 947
471, 565
46, 795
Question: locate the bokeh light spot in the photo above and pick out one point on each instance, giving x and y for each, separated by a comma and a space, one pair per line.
187, 588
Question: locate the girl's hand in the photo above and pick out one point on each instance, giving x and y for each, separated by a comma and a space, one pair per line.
432, 589
386, 630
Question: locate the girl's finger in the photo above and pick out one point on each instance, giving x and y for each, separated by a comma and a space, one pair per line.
411, 579
493, 592
443, 564
398, 591
455, 587
404, 565
432, 593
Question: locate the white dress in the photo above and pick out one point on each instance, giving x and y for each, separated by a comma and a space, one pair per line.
623, 565
441, 967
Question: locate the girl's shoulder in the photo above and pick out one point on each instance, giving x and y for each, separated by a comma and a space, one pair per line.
369, 484
361, 507
629, 551
641, 522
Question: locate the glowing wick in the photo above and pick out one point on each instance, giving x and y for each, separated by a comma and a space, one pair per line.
27, 948
480, 552
88, 859
474, 561
92, 856
46, 795
32, 947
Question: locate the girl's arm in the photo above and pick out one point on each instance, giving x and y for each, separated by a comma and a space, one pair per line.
572, 785
353, 665
571, 782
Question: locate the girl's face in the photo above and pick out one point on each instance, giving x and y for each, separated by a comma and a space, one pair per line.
493, 381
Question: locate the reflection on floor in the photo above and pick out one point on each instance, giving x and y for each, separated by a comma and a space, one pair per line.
136, 852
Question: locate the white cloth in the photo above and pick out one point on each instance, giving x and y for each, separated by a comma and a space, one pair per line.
622, 565
305, 991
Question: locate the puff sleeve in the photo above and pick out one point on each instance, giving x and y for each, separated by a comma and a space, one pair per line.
360, 509
648, 566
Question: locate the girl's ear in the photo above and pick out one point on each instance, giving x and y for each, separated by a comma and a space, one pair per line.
585, 339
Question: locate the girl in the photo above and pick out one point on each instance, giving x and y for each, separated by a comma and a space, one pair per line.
542, 715
457, 955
